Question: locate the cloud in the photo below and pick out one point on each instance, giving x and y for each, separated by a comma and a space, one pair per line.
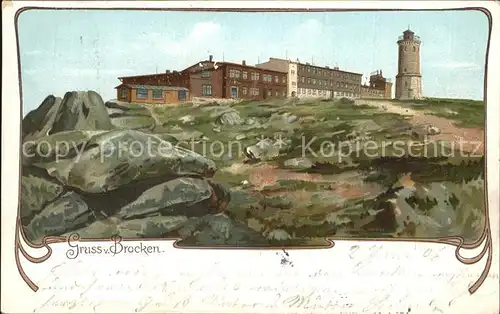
202, 36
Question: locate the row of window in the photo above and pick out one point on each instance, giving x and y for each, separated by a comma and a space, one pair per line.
253, 91
255, 76
374, 91
343, 94
307, 91
323, 92
244, 91
324, 82
142, 93
256, 92
326, 72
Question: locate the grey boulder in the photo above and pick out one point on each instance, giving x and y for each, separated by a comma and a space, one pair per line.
115, 158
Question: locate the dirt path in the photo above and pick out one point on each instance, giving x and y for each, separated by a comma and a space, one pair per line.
151, 110
468, 140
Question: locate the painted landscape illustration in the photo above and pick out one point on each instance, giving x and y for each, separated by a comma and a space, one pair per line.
252, 129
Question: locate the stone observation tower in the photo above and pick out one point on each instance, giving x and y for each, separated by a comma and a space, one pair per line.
409, 79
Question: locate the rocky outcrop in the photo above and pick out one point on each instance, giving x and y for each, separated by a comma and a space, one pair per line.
81, 175
76, 111
65, 213
229, 117
129, 116
299, 163
111, 159
37, 190
39, 122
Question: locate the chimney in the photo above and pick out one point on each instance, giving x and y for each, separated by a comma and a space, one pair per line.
243, 62
210, 58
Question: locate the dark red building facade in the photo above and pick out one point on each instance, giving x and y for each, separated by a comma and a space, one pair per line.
209, 78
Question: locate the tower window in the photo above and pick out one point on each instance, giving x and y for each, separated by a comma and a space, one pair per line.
404, 70
414, 49
405, 48
406, 84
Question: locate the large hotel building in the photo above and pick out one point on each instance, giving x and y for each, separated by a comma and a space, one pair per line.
306, 80
276, 78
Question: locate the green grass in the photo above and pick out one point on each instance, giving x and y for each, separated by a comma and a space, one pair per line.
465, 112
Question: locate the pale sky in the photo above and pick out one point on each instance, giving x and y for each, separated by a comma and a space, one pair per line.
68, 50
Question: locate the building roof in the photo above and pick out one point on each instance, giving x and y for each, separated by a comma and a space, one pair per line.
161, 87
149, 75
222, 63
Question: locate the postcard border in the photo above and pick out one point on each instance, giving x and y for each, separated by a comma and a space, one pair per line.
456, 241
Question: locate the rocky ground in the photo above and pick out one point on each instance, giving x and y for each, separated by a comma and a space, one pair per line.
276, 172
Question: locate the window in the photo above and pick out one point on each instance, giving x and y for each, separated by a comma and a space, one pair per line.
314, 91
245, 75
181, 95
308, 92
254, 76
406, 84
244, 90
331, 83
124, 93
283, 79
234, 92
142, 93
206, 90
294, 83
206, 74
284, 94
157, 94
338, 84
308, 80
292, 72
302, 79
405, 48
314, 81
276, 79
277, 93
414, 49
308, 69
267, 78
234, 73
254, 91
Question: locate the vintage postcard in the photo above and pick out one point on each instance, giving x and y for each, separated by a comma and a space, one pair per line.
328, 144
